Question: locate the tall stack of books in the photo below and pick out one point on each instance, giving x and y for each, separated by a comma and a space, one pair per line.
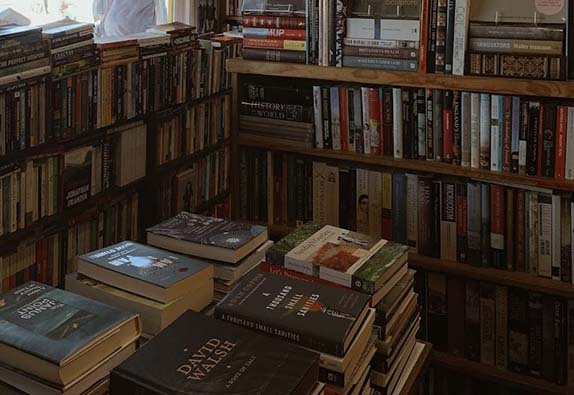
377, 268
233, 248
158, 285
275, 32
56, 342
72, 47
384, 35
201, 355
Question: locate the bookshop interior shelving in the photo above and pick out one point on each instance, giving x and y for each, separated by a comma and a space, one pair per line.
372, 77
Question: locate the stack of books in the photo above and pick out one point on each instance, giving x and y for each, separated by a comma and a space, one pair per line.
233, 248
202, 355
158, 285
56, 342
514, 39
275, 32
72, 47
300, 312
383, 35
377, 268
24, 53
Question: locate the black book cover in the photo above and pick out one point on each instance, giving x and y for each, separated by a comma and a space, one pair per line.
485, 251
421, 289
145, 263
408, 121
77, 177
518, 330
472, 321
388, 146
456, 128
295, 310
52, 324
432, 26
208, 231
435, 223
560, 341
450, 12
461, 222
532, 139
535, 311
421, 123
548, 139
201, 355
430, 124
276, 91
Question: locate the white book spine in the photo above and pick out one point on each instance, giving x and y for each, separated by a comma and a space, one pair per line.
318, 116
461, 18
475, 130
495, 133
569, 173
398, 123
545, 236
366, 127
465, 129
485, 130
556, 224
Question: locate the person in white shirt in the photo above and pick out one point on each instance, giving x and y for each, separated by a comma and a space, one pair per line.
123, 17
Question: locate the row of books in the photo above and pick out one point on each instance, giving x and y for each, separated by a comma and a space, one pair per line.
492, 225
198, 183
510, 328
478, 130
48, 259
193, 129
152, 71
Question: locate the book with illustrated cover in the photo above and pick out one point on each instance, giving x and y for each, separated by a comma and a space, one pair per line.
207, 237
208, 356
156, 274
44, 331
276, 254
77, 175
296, 311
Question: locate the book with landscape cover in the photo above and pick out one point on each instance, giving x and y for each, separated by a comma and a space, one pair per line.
276, 254
58, 336
296, 310
207, 237
157, 274
202, 355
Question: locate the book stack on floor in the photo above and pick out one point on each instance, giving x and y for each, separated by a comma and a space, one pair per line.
200, 354
385, 35
233, 248
158, 285
277, 109
516, 39
377, 268
56, 342
72, 47
275, 32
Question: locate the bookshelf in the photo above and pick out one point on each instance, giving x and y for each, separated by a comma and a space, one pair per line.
322, 75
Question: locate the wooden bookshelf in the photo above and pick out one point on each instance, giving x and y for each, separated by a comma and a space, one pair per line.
421, 166
509, 86
491, 373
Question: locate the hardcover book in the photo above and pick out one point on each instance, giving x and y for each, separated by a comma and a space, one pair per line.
201, 355
519, 11
56, 335
77, 175
144, 270
296, 310
207, 237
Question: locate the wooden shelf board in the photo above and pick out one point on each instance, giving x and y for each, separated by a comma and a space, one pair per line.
406, 164
491, 373
237, 18
563, 89
496, 276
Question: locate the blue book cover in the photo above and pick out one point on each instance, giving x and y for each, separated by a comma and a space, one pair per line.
53, 324
149, 264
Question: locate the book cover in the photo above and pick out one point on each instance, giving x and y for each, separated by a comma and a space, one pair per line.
149, 264
276, 254
77, 176
52, 324
204, 355
208, 231
294, 310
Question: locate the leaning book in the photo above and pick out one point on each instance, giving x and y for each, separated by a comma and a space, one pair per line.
56, 336
202, 355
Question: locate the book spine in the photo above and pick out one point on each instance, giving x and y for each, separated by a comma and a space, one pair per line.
456, 319
366, 115
533, 232
450, 26
344, 116
545, 235
388, 121
380, 63
517, 330
388, 44
268, 43
560, 160
399, 208
496, 133
515, 46
461, 222
497, 225
447, 127
547, 141
437, 317
397, 123
501, 326
318, 116
569, 161
532, 138
475, 129
274, 33
438, 104
472, 327
560, 343
461, 20
565, 239
556, 237
412, 217
570, 338
487, 324
520, 215
276, 22
548, 349
457, 128
429, 124
506, 132
374, 121
432, 40
421, 124
326, 114
335, 118
274, 55
448, 247
396, 53
387, 206
515, 130
339, 32
424, 209
485, 250
441, 22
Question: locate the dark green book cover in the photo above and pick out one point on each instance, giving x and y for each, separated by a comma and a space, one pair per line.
208, 231
366, 277
53, 324
202, 355
149, 264
276, 254
295, 310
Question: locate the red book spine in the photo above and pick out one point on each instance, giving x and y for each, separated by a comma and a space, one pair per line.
520, 232
507, 134
447, 131
274, 22
540, 141
560, 161
374, 120
273, 33
424, 36
344, 113
274, 269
